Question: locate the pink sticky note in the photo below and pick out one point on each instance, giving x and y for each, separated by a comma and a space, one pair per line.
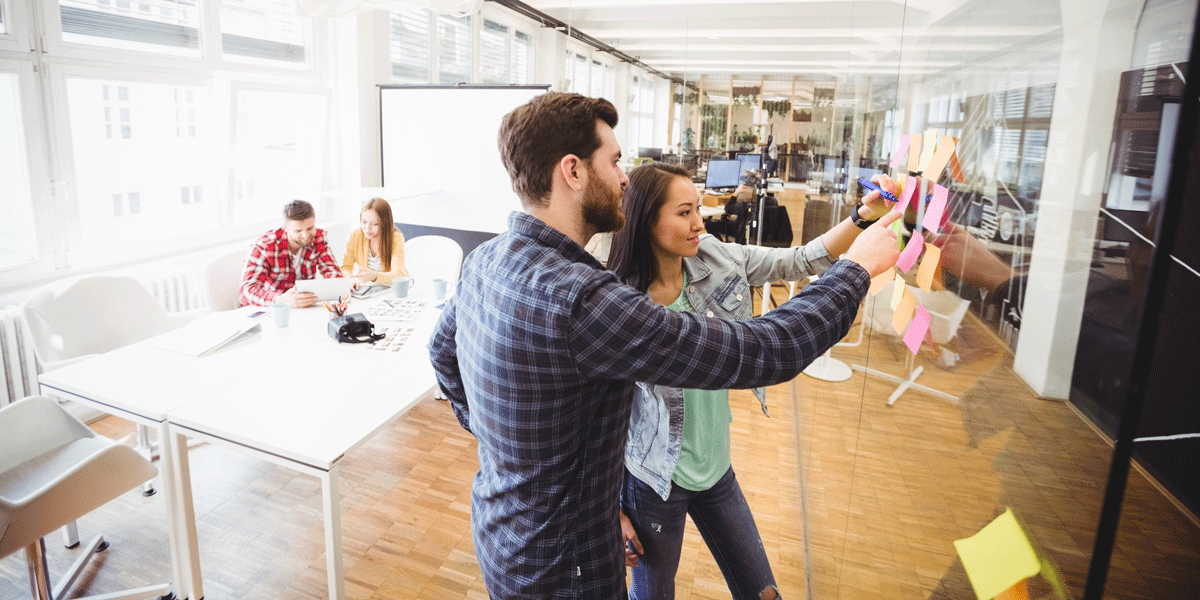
901, 153
916, 329
936, 209
908, 257
912, 187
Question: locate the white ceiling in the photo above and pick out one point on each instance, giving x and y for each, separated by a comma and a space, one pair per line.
813, 40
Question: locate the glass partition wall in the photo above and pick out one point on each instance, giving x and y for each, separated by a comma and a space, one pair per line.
1064, 116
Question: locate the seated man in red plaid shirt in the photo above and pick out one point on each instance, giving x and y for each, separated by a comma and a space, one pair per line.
298, 250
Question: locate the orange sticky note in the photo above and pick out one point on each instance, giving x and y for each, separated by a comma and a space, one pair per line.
904, 313
955, 167
914, 152
929, 266
881, 280
939, 160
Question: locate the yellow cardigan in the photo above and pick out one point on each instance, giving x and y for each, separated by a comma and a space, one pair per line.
357, 251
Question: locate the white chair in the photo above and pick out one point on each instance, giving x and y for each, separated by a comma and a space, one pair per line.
429, 257
223, 280
77, 317
53, 470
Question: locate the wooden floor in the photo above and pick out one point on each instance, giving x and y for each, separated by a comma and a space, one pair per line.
887, 491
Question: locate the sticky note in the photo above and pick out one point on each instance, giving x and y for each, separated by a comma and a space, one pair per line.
901, 153
998, 556
939, 160
914, 152
904, 312
916, 329
912, 187
955, 167
936, 210
898, 291
929, 266
927, 146
881, 280
908, 256
898, 228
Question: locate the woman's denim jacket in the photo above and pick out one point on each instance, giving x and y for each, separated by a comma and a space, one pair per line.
719, 280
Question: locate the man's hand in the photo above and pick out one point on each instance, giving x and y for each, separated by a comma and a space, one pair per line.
630, 539
297, 299
968, 258
875, 249
873, 201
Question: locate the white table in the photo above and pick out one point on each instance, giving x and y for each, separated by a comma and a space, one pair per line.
283, 395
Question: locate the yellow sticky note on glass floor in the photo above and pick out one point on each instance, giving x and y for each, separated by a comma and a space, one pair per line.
929, 265
998, 556
904, 313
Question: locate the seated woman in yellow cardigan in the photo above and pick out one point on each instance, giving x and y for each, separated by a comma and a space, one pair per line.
376, 248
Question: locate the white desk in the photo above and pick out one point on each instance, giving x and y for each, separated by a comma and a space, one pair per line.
282, 395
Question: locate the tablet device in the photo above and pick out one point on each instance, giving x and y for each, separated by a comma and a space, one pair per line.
325, 289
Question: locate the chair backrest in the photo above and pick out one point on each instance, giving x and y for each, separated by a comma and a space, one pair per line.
223, 278
428, 257
91, 314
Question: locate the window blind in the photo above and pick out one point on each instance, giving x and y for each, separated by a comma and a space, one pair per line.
263, 29
166, 23
454, 49
409, 46
493, 53
522, 58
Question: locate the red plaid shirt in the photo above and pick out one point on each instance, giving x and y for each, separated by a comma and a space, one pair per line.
269, 271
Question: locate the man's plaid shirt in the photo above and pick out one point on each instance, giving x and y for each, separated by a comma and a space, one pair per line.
538, 353
269, 271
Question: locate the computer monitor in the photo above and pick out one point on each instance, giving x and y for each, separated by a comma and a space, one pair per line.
723, 174
750, 162
655, 153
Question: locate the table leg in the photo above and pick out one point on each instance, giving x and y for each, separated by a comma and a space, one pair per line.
331, 494
181, 516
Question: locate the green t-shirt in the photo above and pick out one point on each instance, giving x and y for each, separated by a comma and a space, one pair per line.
704, 458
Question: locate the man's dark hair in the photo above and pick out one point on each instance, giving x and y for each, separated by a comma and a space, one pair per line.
537, 134
298, 210
631, 256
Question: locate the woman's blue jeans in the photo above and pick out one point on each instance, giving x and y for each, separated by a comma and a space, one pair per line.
724, 520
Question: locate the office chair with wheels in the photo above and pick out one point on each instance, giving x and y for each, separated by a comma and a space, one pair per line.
223, 279
53, 470
77, 317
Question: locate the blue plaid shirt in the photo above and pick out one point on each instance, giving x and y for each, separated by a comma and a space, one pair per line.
538, 353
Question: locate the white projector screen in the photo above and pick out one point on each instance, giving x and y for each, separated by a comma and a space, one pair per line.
441, 165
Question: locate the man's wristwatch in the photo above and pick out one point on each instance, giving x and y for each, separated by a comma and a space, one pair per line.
860, 222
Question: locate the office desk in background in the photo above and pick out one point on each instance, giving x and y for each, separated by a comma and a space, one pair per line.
282, 395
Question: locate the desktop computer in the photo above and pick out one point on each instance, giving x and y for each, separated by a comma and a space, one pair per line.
723, 174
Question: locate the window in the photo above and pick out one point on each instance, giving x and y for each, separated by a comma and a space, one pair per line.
602, 82
409, 47
131, 160
454, 49
262, 31
279, 142
522, 58
493, 53
170, 26
17, 243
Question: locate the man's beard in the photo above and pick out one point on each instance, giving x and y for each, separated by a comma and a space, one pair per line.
602, 206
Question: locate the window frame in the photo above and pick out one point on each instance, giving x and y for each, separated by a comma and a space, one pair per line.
47, 239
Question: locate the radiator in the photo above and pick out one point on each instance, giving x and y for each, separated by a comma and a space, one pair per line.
178, 290
19, 363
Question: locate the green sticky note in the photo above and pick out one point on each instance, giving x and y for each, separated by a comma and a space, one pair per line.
998, 557
898, 228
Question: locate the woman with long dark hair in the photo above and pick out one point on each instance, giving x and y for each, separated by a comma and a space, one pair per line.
677, 454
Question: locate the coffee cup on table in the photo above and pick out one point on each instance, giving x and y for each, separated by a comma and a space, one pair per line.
400, 286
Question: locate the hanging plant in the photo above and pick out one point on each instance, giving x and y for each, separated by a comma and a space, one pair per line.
777, 107
746, 96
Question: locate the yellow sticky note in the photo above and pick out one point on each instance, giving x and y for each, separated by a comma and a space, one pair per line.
898, 291
914, 152
941, 157
881, 280
929, 265
904, 313
927, 147
998, 556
